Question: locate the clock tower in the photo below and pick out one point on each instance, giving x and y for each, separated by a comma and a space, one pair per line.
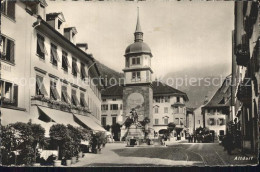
137, 91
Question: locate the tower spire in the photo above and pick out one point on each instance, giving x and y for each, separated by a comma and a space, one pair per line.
138, 31
138, 26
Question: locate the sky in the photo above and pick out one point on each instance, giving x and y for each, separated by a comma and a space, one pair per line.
181, 34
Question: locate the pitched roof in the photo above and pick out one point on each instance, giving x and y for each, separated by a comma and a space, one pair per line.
158, 89
222, 98
161, 88
113, 91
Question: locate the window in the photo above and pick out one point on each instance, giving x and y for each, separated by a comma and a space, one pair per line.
54, 55
181, 121
178, 99
104, 100
121, 106
83, 102
64, 94
221, 121
135, 60
59, 24
113, 99
8, 8
7, 50
41, 50
104, 107
211, 121
198, 121
221, 132
40, 89
161, 99
157, 99
9, 93
156, 110
156, 121
53, 91
167, 99
74, 99
65, 63
104, 121
180, 110
75, 68
165, 121
136, 76
83, 71
177, 121
113, 120
114, 107
166, 110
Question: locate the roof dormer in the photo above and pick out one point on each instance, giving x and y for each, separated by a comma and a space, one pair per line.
56, 20
82, 46
70, 33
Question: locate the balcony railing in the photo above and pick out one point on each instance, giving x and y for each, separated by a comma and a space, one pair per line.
242, 54
58, 105
244, 93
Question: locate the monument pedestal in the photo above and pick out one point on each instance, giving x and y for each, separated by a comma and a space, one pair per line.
135, 135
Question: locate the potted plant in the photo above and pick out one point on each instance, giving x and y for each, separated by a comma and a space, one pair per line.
38, 133
68, 153
59, 138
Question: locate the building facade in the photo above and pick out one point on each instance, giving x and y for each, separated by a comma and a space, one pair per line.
46, 76
245, 111
168, 106
161, 103
216, 111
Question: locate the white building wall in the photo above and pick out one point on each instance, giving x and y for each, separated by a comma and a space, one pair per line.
110, 113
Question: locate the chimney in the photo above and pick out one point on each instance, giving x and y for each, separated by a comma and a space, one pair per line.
70, 34
56, 20
82, 46
206, 100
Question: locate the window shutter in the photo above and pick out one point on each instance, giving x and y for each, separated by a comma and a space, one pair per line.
209, 122
12, 51
11, 9
15, 97
54, 53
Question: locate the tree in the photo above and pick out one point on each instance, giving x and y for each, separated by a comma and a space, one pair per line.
60, 137
128, 122
116, 128
107, 127
38, 133
171, 126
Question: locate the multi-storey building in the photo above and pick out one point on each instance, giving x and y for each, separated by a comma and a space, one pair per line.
245, 104
198, 118
159, 102
217, 109
168, 106
46, 76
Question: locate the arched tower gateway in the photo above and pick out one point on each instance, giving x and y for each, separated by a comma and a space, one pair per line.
137, 92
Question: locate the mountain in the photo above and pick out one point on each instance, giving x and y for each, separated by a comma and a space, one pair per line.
108, 73
206, 82
199, 82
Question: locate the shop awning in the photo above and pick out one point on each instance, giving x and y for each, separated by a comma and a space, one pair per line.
9, 116
59, 117
89, 122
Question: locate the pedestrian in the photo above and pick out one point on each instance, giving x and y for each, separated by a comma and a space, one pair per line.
195, 137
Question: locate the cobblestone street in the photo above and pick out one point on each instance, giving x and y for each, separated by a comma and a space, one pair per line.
179, 154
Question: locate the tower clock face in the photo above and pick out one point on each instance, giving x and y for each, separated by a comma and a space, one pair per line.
136, 101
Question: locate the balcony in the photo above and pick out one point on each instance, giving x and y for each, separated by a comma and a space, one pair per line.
244, 93
178, 104
242, 54
58, 105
